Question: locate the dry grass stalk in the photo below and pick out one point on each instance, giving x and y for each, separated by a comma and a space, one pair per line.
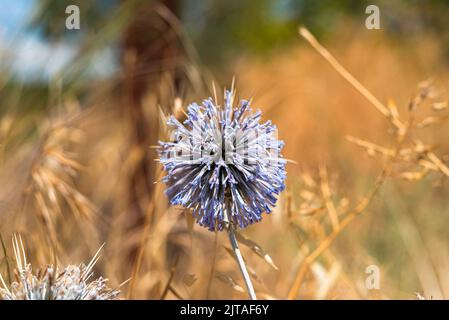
407, 148
51, 181
141, 250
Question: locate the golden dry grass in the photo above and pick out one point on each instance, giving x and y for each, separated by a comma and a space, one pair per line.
65, 189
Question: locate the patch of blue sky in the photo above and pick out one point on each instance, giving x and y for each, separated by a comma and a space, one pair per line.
30, 58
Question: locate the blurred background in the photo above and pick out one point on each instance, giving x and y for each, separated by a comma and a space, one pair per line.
81, 109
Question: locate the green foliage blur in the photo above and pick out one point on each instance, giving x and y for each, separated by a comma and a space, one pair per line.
218, 30
221, 29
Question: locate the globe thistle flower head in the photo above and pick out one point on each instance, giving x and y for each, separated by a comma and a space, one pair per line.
223, 163
54, 283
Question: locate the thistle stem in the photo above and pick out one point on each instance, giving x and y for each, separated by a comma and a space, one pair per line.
241, 263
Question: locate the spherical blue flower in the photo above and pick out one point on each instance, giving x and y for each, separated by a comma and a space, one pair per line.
223, 163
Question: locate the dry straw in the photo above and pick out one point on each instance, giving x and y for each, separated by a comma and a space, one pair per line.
407, 149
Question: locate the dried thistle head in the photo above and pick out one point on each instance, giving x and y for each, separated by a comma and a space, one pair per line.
223, 163
54, 283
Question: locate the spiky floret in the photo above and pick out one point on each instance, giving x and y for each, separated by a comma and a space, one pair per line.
223, 163
54, 283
